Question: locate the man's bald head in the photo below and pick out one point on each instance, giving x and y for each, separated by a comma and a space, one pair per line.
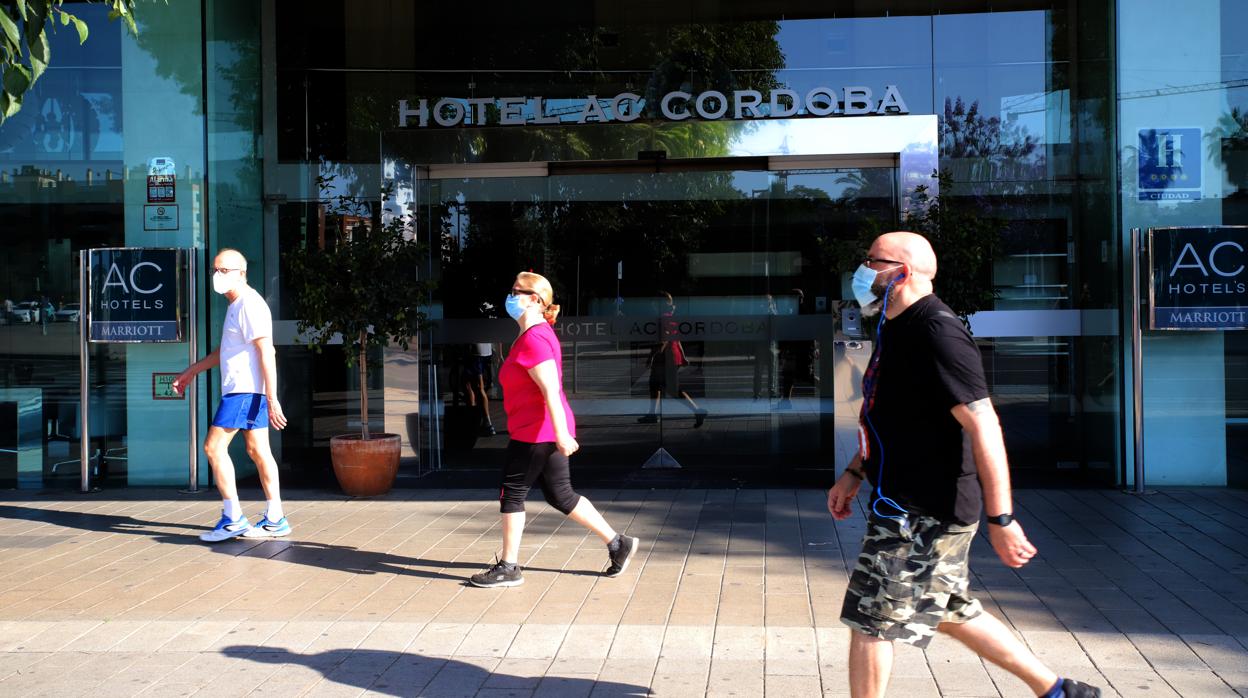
911, 248
230, 258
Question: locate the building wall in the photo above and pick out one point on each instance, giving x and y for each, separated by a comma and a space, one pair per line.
1190, 83
1040, 109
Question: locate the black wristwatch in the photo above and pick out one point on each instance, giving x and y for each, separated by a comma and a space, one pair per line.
1001, 519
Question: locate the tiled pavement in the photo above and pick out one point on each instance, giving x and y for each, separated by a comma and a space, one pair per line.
734, 592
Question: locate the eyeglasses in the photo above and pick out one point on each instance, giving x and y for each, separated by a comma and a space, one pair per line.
527, 292
875, 260
223, 270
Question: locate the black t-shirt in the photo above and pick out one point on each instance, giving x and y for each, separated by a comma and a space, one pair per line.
927, 365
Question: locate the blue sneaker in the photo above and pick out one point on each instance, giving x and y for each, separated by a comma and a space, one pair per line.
226, 529
269, 529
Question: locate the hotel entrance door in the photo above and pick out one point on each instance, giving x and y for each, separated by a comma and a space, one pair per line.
701, 306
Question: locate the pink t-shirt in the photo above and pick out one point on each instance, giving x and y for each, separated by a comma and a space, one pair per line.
528, 419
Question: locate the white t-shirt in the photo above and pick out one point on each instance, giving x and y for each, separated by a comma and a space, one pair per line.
247, 319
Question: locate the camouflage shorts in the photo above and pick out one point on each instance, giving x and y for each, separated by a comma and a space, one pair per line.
910, 579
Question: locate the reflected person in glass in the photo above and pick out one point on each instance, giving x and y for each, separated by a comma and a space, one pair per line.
543, 435
478, 379
665, 361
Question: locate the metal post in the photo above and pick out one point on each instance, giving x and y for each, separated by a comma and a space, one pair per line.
435, 414
84, 366
1137, 364
192, 340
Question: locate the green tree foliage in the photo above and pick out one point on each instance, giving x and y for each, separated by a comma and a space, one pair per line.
24, 46
362, 285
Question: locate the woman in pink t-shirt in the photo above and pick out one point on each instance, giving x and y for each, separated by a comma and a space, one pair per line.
543, 435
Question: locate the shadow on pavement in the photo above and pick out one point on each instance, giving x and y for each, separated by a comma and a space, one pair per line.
393, 673
99, 523
325, 556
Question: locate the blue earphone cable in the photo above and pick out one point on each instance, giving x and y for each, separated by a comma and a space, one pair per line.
879, 478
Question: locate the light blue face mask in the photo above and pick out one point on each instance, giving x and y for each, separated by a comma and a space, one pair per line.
864, 286
513, 307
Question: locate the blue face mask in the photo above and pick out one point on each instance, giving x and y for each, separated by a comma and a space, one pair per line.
864, 286
513, 307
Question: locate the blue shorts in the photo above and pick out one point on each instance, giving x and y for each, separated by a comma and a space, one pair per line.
242, 411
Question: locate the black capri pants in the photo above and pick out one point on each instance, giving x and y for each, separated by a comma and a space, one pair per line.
536, 463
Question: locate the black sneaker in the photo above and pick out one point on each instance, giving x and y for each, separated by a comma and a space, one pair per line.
1074, 689
699, 416
648, 419
621, 557
502, 574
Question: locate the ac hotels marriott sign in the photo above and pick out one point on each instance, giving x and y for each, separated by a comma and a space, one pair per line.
674, 106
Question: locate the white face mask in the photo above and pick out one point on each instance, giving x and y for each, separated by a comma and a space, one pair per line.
223, 282
870, 299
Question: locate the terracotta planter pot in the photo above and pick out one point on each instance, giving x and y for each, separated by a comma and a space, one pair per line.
365, 468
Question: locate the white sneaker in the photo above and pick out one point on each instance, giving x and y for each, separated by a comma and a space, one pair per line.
226, 529
265, 528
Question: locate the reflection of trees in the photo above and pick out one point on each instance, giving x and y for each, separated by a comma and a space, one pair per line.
1233, 126
975, 147
698, 57
1229, 140
157, 24
846, 225
692, 58
653, 222
658, 223
234, 104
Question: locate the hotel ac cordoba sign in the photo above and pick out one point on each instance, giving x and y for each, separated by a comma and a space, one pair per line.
674, 106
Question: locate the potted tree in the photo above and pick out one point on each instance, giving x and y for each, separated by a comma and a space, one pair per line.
359, 281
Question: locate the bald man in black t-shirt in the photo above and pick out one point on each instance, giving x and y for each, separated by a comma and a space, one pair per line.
923, 389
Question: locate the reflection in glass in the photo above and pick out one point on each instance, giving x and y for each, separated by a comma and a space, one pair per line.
698, 308
61, 190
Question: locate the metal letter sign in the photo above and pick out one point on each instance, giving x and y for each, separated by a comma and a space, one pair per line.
1170, 164
1198, 278
136, 295
855, 100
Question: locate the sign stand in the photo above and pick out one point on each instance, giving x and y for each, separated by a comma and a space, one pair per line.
1137, 365
133, 310
84, 370
192, 321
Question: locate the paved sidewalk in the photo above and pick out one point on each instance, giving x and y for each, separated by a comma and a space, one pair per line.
734, 592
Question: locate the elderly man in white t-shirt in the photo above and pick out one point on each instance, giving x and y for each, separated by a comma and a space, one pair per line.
248, 400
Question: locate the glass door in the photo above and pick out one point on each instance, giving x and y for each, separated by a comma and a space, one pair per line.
700, 322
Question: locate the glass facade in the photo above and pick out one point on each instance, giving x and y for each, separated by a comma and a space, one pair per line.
700, 262
1194, 412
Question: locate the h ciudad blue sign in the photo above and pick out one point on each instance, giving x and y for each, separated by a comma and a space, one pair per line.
1198, 278
136, 295
1170, 164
